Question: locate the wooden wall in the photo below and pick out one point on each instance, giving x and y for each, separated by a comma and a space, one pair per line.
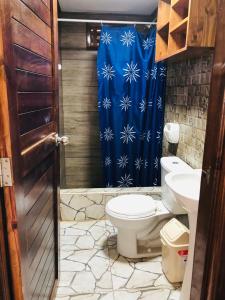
80, 120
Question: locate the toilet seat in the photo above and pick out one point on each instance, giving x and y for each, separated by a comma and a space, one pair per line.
132, 206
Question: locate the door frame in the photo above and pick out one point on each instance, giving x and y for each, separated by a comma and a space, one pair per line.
11, 233
5, 282
209, 260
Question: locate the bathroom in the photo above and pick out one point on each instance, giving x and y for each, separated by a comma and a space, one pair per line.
114, 190
84, 194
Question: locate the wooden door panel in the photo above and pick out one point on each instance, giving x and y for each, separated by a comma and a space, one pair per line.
34, 136
30, 82
33, 200
40, 9
34, 101
30, 180
32, 120
46, 2
26, 38
31, 59
48, 268
44, 219
42, 252
25, 16
33, 158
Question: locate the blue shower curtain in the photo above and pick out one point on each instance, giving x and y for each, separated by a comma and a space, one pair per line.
131, 106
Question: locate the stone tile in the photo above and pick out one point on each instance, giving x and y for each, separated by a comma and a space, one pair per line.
99, 266
71, 266
65, 254
74, 231
155, 295
84, 282
109, 296
85, 242
122, 268
85, 225
86, 297
119, 282
175, 295
187, 103
89, 204
96, 211
105, 282
66, 224
64, 291
68, 240
66, 278
67, 213
162, 282
82, 256
141, 279
126, 295
97, 271
149, 266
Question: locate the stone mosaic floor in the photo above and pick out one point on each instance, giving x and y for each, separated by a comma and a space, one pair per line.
91, 268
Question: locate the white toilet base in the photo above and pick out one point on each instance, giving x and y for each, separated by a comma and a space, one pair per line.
127, 245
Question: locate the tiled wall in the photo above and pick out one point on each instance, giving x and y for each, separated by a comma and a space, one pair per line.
188, 85
81, 167
89, 204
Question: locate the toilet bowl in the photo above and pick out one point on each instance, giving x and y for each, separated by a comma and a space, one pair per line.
139, 218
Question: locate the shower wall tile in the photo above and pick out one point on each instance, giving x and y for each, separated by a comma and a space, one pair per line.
72, 36
89, 204
187, 93
82, 157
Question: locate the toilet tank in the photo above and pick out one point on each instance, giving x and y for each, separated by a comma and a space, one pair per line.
171, 164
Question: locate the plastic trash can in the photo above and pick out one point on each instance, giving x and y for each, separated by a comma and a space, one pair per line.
175, 238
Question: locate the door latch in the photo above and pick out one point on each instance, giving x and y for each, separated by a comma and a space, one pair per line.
61, 140
5, 172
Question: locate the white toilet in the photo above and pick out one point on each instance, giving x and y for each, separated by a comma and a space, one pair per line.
139, 218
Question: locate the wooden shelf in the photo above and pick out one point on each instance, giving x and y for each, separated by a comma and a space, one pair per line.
163, 19
183, 26
163, 26
181, 7
180, 27
179, 51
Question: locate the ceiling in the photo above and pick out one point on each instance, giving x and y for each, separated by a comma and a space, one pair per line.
129, 7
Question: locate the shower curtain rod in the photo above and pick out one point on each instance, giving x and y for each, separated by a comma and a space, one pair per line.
105, 21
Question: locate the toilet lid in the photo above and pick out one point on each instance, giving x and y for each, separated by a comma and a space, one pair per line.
132, 206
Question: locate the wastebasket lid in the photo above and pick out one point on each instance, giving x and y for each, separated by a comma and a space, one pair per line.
174, 232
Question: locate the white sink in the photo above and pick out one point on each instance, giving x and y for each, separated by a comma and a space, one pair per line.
186, 189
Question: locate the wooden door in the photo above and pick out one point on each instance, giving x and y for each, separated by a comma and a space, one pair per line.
208, 281
29, 72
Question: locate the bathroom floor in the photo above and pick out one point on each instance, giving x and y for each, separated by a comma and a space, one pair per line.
91, 268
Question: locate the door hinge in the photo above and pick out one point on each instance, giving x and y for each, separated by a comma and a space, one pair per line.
5, 172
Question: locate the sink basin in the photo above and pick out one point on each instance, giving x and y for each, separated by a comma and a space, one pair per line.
186, 189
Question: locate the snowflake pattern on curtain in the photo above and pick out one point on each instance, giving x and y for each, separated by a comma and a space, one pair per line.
131, 106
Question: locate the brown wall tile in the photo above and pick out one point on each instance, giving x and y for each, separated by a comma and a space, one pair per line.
188, 85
